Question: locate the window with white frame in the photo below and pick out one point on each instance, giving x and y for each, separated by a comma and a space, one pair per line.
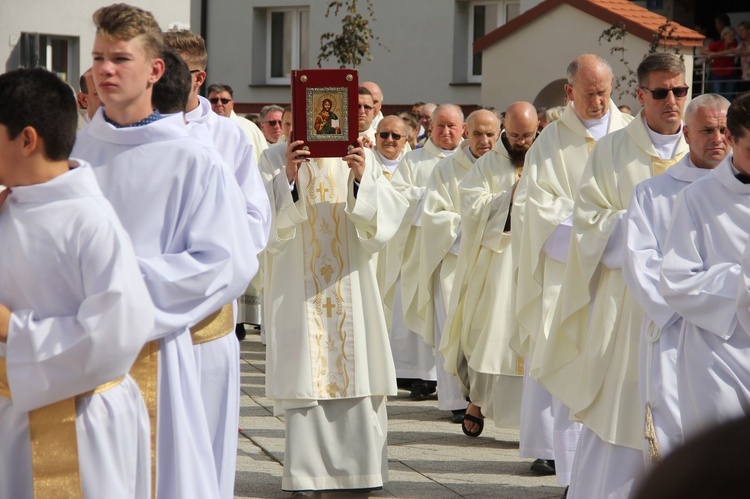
287, 43
485, 16
58, 54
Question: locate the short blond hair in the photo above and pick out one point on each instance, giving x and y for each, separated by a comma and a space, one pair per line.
124, 22
191, 47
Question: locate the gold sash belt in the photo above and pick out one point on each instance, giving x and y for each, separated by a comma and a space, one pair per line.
145, 372
215, 326
54, 448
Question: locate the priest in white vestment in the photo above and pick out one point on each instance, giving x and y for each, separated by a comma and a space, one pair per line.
187, 218
329, 362
441, 240
480, 322
649, 215
592, 361
544, 203
414, 357
74, 311
701, 271
221, 97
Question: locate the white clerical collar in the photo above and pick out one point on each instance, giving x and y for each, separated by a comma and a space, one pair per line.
597, 127
447, 152
469, 154
665, 145
391, 164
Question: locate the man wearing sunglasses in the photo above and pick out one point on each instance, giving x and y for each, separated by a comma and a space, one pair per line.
221, 97
595, 370
390, 140
270, 123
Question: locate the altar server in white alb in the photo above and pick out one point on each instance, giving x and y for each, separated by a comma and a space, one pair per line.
544, 204
441, 240
329, 361
649, 215
216, 349
594, 367
187, 219
480, 322
74, 311
701, 273
413, 356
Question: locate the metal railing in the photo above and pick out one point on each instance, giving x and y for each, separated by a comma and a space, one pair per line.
705, 82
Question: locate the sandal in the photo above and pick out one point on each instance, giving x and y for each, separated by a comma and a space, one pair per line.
473, 419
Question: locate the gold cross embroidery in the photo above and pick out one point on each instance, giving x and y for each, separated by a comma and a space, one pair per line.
322, 190
328, 306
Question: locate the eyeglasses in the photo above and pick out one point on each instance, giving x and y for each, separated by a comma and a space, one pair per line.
273, 122
215, 100
366, 107
385, 135
661, 93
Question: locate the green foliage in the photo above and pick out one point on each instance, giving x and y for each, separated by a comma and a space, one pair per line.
352, 45
627, 84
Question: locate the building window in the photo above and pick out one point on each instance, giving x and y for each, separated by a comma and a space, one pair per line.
485, 16
59, 54
287, 43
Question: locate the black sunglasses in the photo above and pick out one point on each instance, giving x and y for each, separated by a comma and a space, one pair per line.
273, 122
215, 100
384, 135
661, 93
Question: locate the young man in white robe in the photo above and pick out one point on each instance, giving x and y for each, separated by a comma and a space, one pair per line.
701, 271
329, 362
413, 356
593, 366
649, 215
74, 311
216, 347
440, 242
187, 218
542, 214
479, 324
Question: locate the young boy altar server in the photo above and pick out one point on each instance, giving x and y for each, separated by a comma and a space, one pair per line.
74, 311
187, 218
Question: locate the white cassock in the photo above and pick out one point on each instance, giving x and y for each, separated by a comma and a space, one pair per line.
648, 218
544, 201
441, 239
218, 358
413, 357
591, 361
701, 274
187, 219
252, 131
480, 322
80, 315
329, 362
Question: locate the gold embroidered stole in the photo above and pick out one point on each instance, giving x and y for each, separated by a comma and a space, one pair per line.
54, 446
659, 166
327, 278
214, 326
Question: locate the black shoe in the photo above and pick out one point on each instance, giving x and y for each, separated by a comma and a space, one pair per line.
543, 466
458, 416
421, 390
405, 383
239, 330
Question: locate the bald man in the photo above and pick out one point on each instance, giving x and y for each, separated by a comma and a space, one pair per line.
544, 205
475, 342
377, 102
413, 357
441, 239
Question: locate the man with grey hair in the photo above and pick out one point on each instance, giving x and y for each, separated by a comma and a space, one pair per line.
413, 357
377, 101
542, 213
221, 97
441, 240
594, 368
425, 117
390, 142
270, 123
648, 219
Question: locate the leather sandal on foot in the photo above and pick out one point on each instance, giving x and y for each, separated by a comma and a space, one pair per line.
473, 419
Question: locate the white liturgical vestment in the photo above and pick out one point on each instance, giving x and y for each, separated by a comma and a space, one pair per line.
80, 315
329, 361
187, 219
253, 133
649, 215
701, 274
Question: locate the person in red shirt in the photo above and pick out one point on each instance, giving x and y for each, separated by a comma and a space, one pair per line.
723, 72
